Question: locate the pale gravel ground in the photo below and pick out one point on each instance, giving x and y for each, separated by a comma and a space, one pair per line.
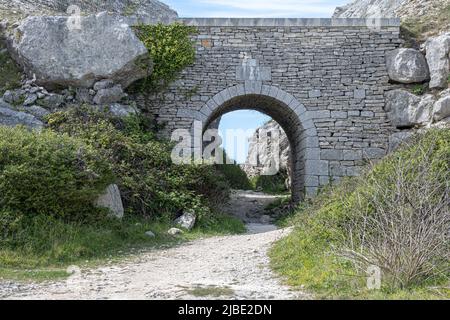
239, 262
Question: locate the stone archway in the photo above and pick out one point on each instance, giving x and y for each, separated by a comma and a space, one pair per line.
292, 116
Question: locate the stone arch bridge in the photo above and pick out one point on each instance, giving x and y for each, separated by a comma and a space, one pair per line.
322, 80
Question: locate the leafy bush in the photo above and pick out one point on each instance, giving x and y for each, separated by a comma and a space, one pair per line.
151, 185
419, 89
235, 176
10, 73
171, 50
271, 184
46, 173
396, 217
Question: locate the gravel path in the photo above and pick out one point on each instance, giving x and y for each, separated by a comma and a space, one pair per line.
231, 267
228, 267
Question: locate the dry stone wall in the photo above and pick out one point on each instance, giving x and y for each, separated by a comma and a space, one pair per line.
322, 80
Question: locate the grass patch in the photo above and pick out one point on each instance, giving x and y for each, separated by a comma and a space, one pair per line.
211, 291
311, 256
418, 29
45, 247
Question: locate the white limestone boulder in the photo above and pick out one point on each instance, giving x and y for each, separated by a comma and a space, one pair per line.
112, 201
407, 66
59, 54
438, 58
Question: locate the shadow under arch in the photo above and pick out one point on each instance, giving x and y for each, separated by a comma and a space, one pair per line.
290, 114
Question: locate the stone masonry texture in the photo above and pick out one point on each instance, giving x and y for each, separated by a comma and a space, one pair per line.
322, 80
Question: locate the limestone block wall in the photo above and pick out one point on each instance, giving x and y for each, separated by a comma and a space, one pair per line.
322, 80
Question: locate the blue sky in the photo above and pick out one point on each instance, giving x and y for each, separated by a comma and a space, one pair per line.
246, 119
255, 8
240, 120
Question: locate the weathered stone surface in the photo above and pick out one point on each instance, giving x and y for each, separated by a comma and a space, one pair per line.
408, 110
30, 99
407, 66
174, 231
83, 95
441, 109
150, 234
12, 96
103, 47
437, 53
37, 111
368, 9
136, 11
111, 200
109, 95
187, 220
103, 84
120, 110
51, 101
12, 118
261, 150
396, 139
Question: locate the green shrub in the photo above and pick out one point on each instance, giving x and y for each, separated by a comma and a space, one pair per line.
171, 50
151, 185
274, 184
46, 173
235, 176
419, 89
10, 74
393, 217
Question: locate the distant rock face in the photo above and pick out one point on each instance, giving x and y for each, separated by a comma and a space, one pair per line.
138, 11
260, 154
103, 48
369, 9
438, 58
407, 66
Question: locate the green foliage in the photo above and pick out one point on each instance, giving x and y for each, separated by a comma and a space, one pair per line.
151, 185
46, 173
310, 255
171, 50
419, 89
235, 176
273, 184
10, 73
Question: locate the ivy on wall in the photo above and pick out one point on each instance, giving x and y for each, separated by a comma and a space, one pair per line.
171, 49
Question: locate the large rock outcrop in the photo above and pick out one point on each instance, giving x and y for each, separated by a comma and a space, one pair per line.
261, 150
407, 110
369, 9
136, 11
438, 58
56, 55
389, 8
407, 66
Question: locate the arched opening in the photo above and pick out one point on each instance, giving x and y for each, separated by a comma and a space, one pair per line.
290, 115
